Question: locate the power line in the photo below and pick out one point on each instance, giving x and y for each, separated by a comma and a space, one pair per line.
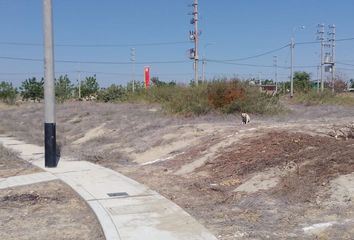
94, 62
345, 69
254, 56
238, 64
347, 64
31, 73
316, 42
104, 45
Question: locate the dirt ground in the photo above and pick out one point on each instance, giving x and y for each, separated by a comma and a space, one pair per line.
279, 177
11, 165
49, 210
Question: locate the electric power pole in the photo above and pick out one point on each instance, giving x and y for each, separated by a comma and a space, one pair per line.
132, 59
292, 45
275, 64
318, 79
79, 80
79, 83
49, 95
194, 36
320, 32
203, 69
332, 40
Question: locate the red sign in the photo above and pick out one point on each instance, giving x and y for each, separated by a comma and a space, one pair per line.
147, 77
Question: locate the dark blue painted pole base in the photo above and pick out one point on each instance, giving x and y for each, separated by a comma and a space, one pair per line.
51, 159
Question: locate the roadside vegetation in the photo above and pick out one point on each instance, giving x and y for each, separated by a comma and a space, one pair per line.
218, 95
326, 97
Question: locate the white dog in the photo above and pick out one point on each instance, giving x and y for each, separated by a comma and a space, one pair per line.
245, 118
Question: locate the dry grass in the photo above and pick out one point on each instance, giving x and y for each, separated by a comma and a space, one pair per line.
48, 210
139, 127
327, 97
12, 165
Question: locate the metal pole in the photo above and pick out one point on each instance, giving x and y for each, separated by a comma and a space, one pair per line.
291, 68
49, 95
203, 69
79, 85
275, 59
196, 40
333, 40
318, 80
132, 58
320, 32
79, 81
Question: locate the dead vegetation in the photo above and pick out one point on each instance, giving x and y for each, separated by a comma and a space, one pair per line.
288, 160
11, 165
342, 132
46, 211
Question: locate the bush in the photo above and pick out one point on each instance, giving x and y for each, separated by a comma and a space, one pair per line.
114, 93
7, 93
255, 102
223, 93
176, 99
188, 100
220, 95
326, 97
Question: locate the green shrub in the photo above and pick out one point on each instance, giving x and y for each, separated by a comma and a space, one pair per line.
255, 102
7, 93
325, 97
219, 95
188, 100
114, 93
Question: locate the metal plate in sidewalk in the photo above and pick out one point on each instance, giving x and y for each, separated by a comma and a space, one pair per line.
118, 194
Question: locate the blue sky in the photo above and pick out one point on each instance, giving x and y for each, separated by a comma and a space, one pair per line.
231, 29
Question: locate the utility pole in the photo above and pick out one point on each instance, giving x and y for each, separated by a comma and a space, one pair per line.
194, 36
132, 59
320, 32
292, 45
79, 83
332, 40
203, 69
275, 64
79, 80
49, 95
318, 80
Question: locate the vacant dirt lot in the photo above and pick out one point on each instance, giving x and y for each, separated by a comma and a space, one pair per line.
49, 210
280, 177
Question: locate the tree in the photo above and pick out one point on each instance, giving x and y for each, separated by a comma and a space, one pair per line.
302, 81
7, 92
89, 86
32, 89
63, 88
267, 82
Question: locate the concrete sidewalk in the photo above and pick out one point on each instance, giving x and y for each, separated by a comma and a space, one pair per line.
126, 209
